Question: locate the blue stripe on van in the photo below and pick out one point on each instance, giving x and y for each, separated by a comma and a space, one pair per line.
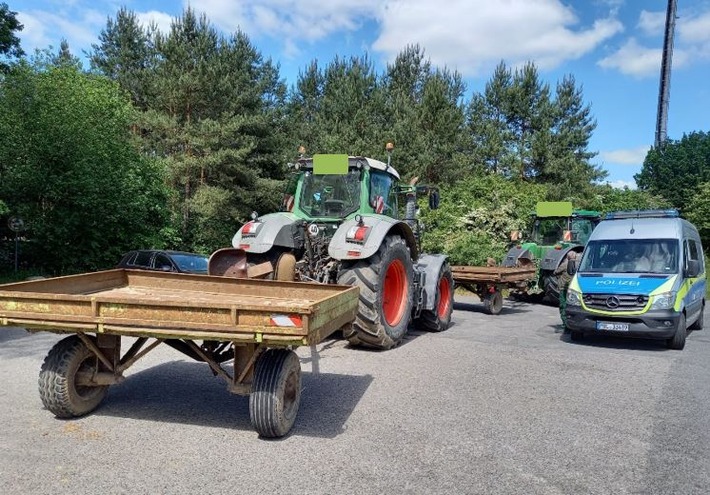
609, 284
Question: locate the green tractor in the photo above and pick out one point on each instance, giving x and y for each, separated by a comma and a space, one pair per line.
349, 220
557, 228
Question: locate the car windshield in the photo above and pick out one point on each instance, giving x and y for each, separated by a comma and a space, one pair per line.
191, 262
334, 196
631, 256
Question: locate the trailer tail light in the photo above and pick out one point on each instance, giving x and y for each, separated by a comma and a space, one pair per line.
245, 246
251, 228
357, 234
355, 254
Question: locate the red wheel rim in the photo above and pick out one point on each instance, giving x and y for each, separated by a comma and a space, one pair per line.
444, 297
394, 298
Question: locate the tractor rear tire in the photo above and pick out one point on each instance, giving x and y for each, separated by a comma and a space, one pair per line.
439, 318
275, 392
551, 287
385, 306
58, 389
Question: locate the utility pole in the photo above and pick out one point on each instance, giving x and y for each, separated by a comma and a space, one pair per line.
665, 84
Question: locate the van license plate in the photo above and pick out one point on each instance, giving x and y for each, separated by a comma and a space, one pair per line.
613, 327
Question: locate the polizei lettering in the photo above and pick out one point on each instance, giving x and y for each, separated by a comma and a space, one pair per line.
618, 283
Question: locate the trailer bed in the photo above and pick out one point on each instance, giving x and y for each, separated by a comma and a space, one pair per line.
493, 274
181, 306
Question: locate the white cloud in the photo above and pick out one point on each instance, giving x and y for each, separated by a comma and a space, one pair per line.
652, 23
694, 29
622, 184
630, 156
161, 20
41, 28
639, 61
472, 35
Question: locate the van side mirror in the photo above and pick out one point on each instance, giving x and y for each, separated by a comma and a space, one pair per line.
571, 267
693, 269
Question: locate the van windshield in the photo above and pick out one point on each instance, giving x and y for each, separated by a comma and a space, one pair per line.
631, 256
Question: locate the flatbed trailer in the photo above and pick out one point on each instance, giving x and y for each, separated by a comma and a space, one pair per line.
488, 282
254, 324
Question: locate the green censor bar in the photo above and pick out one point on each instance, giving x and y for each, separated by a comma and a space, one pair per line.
330, 164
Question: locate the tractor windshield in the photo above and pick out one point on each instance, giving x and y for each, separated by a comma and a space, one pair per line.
548, 231
335, 196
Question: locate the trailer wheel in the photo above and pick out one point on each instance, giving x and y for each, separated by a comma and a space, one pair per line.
58, 389
438, 319
677, 342
385, 282
493, 302
275, 392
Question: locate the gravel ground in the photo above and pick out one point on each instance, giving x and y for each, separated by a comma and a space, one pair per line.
496, 404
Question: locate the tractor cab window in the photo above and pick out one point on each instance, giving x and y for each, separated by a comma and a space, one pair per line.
548, 231
289, 193
581, 230
334, 196
383, 194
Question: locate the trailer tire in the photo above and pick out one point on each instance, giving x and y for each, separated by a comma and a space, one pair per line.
275, 392
439, 318
677, 342
385, 305
493, 302
57, 379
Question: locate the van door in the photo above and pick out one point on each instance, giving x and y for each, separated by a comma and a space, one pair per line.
696, 289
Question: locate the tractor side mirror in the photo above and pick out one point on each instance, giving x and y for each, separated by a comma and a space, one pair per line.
434, 200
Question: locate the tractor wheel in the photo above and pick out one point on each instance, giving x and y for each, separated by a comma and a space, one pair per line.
677, 342
493, 302
285, 268
275, 392
58, 386
551, 287
385, 282
438, 319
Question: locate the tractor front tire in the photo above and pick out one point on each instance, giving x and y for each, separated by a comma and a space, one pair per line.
58, 386
385, 306
439, 318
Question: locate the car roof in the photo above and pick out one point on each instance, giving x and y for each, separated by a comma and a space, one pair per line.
639, 228
166, 251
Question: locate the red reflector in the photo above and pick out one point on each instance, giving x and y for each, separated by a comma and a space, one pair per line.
558, 247
244, 246
354, 253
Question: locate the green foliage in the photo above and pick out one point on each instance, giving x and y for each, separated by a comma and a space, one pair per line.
605, 198
676, 170
9, 42
69, 170
698, 212
477, 215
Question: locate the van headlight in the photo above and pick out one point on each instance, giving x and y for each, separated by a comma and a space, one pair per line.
665, 300
574, 298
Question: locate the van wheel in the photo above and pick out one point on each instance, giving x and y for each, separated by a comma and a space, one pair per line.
576, 335
698, 324
677, 342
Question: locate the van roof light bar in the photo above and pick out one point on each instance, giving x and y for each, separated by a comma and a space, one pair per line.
618, 215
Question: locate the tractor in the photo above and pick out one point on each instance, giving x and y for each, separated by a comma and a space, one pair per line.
349, 220
557, 228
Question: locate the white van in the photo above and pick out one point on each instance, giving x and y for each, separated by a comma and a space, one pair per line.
642, 274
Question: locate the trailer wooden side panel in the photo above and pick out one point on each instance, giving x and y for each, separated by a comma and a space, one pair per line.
170, 305
492, 274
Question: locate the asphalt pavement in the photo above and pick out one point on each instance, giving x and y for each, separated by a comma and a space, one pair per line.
501, 404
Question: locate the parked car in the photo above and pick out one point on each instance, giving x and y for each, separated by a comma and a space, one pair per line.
166, 261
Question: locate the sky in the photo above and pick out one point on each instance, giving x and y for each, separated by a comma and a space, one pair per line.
612, 48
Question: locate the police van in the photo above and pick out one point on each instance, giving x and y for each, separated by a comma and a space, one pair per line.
642, 274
